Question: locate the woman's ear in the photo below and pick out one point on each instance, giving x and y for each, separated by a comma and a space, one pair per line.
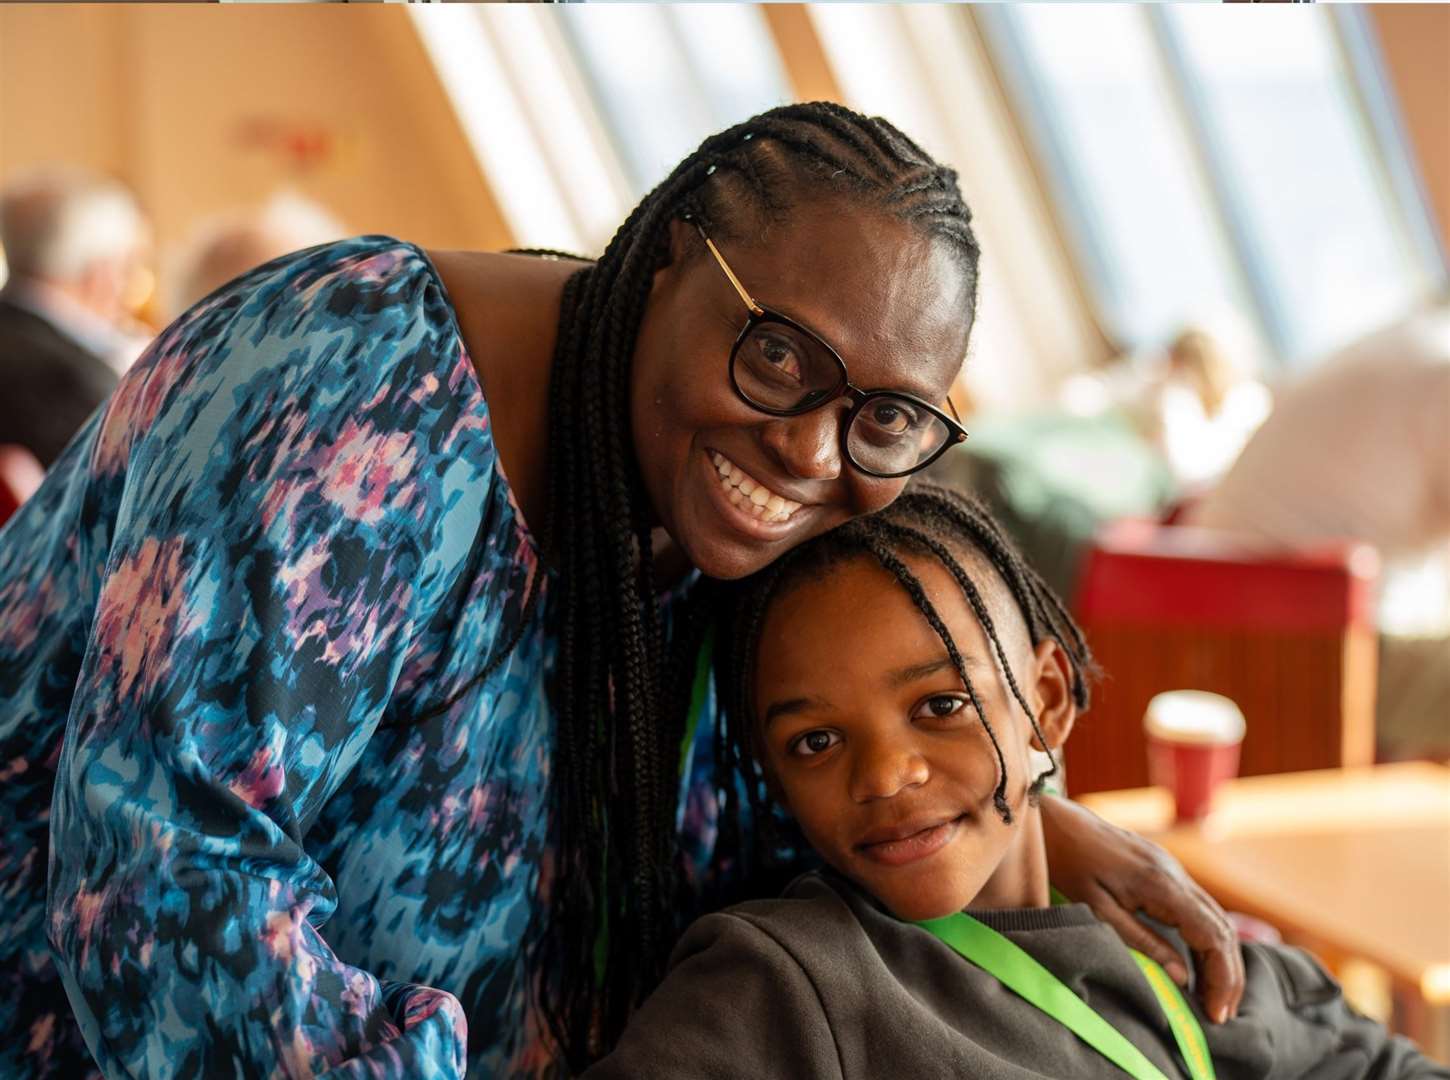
1052, 690
682, 235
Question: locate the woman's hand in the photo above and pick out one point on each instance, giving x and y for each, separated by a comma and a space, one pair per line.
1117, 873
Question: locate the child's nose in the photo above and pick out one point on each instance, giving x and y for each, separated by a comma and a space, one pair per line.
883, 770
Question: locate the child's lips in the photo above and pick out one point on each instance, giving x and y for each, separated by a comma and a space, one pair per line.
898, 845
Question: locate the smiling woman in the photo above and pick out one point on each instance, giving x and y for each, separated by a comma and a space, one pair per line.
415, 769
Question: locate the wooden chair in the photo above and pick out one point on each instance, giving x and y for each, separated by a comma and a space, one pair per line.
1289, 637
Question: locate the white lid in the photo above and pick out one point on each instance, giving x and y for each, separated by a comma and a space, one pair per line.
1194, 716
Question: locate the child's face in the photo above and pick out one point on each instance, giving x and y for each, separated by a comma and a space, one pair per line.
872, 744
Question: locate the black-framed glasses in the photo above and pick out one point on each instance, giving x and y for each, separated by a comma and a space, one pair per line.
783, 369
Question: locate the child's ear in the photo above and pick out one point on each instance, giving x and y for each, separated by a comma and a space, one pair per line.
1052, 688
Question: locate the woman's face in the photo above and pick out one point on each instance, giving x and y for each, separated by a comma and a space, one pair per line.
893, 304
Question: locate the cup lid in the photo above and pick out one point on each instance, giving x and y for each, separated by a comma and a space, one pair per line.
1194, 716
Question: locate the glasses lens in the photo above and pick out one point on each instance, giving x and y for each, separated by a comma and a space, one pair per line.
781, 369
892, 435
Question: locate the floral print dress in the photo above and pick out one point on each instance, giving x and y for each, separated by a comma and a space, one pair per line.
227, 620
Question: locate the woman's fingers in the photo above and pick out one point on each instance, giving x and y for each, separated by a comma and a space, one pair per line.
1136, 934
1120, 874
1166, 893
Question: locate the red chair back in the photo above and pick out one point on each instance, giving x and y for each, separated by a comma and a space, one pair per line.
20, 475
1289, 637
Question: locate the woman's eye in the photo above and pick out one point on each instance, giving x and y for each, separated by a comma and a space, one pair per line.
892, 418
814, 742
780, 355
886, 416
940, 706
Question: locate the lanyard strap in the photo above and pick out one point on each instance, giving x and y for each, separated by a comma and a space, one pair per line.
1186, 1030
1024, 976
697, 696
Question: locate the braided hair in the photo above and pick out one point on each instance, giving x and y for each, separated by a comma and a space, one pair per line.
620, 692
926, 520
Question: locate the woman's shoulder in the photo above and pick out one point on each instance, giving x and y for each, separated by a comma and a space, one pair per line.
371, 297
360, 279
347, 348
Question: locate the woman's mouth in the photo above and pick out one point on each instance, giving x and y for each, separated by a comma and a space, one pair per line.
749, 495
910, 847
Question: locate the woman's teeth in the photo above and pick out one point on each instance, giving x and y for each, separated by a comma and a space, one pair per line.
749, 494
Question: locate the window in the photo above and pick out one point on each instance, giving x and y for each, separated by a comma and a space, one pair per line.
666, 77
1211, 159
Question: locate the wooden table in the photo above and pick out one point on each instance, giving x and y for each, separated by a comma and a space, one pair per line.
1353, 864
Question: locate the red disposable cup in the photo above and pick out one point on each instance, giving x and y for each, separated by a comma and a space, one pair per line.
1193, 746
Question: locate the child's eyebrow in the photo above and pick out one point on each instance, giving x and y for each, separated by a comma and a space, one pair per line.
894, 679
907, 675
783, 708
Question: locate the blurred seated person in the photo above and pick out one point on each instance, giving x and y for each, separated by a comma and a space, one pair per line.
75, 246
1359, 447
1204, 409
1195, 402
229, 244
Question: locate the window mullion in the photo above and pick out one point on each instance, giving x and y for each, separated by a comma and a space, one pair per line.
1393, 157
1249, 259
1089, 249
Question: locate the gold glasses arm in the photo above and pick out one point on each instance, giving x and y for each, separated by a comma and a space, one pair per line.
956, 416
755, 309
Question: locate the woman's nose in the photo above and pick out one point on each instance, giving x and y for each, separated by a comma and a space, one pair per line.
881, 770
809, 445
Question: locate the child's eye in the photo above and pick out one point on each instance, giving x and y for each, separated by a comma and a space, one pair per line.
940, 705
814, 742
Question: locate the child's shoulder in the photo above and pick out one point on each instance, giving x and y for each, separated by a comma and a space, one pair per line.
812, 905
819, 918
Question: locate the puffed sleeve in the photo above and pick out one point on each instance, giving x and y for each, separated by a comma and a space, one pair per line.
298, 487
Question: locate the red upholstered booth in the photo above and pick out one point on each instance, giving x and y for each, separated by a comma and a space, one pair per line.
1289, 637
20, 475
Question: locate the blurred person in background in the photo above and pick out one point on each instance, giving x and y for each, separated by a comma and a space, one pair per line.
229, 244
1195, 401
1205, 406
75, 244
1359, 448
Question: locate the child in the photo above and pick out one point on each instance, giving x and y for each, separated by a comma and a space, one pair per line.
888, 683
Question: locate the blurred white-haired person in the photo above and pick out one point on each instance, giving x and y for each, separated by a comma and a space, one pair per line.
75, 246
227, 245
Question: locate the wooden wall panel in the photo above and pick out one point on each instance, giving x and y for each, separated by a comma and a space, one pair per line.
1303, 695
193, 104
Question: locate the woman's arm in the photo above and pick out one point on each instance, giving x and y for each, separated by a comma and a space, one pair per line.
1118, 874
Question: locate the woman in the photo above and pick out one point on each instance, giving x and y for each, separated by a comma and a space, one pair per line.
382, 696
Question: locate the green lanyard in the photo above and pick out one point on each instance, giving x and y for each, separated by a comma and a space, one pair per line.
1024, 976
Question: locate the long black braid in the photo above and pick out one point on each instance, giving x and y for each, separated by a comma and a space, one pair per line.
925, 520
621, 692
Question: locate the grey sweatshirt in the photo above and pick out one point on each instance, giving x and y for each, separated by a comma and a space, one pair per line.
824, 983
